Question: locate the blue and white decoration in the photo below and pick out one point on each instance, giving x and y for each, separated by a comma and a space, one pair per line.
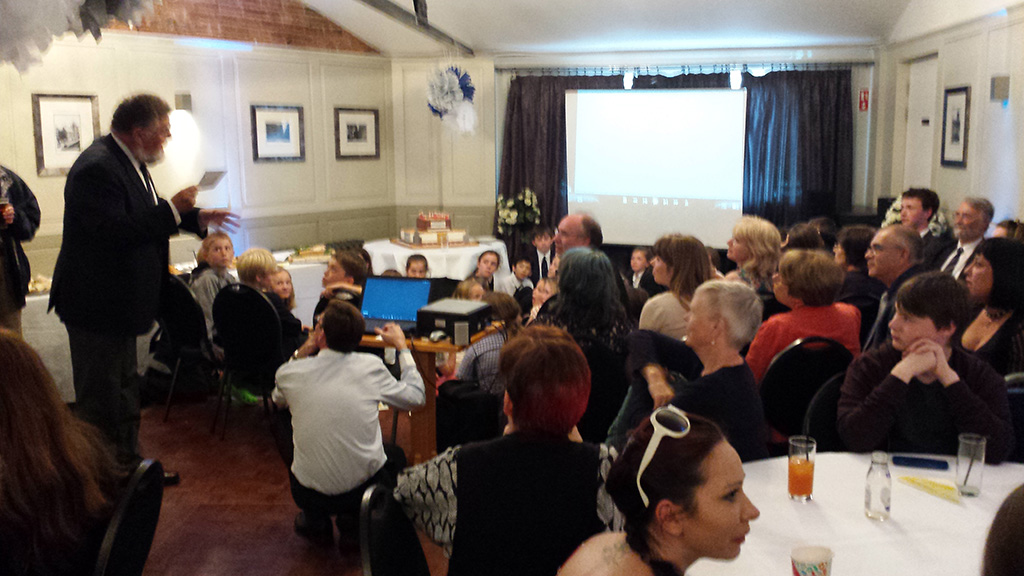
450, 97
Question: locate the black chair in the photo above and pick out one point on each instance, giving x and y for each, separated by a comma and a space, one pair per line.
1016, 399
250, 332
129, 535
184, 324
387, 538
820, 420
465, 414
795, 375
609, 382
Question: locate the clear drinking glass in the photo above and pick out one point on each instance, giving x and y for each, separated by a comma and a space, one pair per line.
802, 450
970, 464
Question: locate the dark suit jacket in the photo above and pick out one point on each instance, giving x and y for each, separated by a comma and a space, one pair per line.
941, 257
26, 221
114, 252
934, 247
531, 253
649, 285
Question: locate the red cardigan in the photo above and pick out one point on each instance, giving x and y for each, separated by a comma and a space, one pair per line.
840, 322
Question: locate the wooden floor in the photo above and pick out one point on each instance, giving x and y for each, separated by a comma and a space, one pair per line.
232, 513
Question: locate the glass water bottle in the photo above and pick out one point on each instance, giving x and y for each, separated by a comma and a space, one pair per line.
878, 487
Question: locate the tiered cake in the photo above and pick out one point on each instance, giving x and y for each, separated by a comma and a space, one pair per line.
433, 229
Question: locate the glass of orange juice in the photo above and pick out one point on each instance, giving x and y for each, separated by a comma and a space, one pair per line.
801, 467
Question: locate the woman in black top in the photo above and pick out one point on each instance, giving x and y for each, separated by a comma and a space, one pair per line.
995, 279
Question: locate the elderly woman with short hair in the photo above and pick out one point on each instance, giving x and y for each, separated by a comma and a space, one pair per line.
808, 282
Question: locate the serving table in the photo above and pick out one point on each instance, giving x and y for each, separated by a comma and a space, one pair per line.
925, 534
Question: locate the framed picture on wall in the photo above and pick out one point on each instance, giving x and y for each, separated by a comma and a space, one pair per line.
956, 108
278, 134
356, 133
64, 125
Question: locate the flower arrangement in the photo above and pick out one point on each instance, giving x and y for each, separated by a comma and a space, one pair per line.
937, 225
518, 212
450, 97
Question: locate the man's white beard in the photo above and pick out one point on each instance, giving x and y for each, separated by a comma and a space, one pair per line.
143, 156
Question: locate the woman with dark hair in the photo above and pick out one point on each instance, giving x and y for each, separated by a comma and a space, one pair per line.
588, 308
680, 264
803, 236
58, 480
534, 476
1012, 229
995, 279
858, 289
588, 304
679, 485
807, 283
1004, 549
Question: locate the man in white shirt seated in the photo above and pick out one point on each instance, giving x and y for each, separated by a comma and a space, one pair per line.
334, 399
970, 223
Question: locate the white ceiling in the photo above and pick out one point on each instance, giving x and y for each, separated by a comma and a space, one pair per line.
524, 27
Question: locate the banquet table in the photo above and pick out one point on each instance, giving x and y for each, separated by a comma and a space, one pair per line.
455, 262
45, 333
924, 535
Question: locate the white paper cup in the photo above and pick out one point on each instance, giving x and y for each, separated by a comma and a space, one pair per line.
811, 561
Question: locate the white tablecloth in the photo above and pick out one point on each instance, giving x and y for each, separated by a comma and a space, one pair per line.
925, 535
456, 263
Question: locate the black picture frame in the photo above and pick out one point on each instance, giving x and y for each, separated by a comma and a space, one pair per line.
356, 133
956, 114
274, 134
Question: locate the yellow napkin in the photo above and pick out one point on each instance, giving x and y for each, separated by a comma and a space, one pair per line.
943, 490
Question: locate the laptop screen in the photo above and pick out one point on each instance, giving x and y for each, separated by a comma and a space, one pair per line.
396, 299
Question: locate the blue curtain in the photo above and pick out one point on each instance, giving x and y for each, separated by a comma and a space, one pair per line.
799, 158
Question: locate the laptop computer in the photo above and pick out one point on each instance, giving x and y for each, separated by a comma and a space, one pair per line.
387, 299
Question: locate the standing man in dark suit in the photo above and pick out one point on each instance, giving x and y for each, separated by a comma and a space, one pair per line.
542, 253
113, 262
970, 223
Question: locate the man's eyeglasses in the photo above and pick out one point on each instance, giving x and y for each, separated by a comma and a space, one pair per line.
668, 421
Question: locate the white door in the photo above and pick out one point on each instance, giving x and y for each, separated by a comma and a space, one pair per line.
922, 120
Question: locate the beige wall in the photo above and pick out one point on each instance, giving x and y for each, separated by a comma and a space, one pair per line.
968, 55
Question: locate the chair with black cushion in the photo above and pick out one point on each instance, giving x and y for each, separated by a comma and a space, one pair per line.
129, 535
387, 538
465, 414
795, 375
820, 420
609, 382
1016, 399
250, 332
184, 324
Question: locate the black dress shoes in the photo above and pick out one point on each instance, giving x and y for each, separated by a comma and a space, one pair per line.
171, 478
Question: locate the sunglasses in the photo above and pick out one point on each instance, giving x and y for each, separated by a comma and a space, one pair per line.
668, 421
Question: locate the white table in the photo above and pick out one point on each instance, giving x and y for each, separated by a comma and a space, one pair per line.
925, 534
455, 262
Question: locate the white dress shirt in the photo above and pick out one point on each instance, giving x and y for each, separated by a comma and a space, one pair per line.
334, 403
968, 250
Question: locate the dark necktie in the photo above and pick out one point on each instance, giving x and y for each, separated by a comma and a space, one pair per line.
544, 267
952, 263
880, 329
149, 181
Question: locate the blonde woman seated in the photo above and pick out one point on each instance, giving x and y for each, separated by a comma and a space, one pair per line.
680, 264
755, 247
58, 479
808, 283
546, 288
680, 486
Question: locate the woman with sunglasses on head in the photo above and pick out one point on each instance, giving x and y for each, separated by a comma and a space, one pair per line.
679, 485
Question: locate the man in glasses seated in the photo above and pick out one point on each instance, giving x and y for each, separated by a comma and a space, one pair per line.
919, 392
535, 475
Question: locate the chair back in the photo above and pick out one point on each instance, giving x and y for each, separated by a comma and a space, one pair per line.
609, 382
795, 375
181, 316
130, 533
1016, 399
820, 420
387, 539
249, 329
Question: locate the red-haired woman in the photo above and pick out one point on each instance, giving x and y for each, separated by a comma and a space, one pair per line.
535, 475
